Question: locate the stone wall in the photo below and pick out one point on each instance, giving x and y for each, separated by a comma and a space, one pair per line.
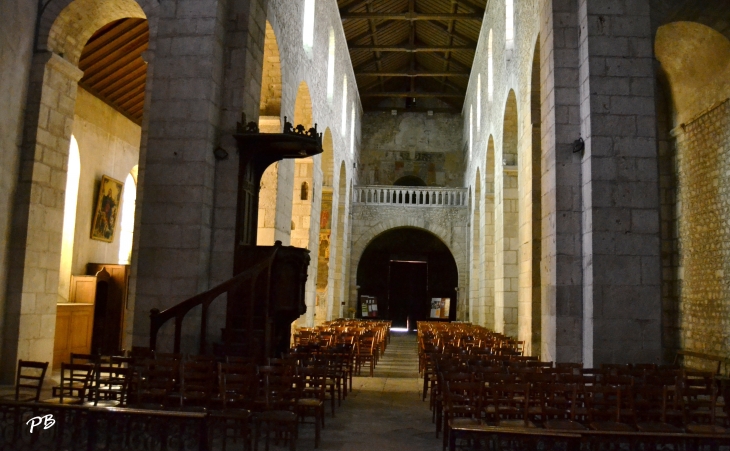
703, 198
108, 145
16, 40
416, 144
449, 224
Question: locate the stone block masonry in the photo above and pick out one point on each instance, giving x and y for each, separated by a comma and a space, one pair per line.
703, 197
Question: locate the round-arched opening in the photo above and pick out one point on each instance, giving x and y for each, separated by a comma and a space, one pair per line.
411, 275
410, 180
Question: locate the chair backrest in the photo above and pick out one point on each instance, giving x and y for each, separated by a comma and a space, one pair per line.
75, 377
197, 382
28, 378
112, 377
236, 385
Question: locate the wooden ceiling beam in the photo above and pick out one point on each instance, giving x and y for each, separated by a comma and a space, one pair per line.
413, 74
417, 94
378, 28
408, 48
456, 64
354, 5
473, 6
452, 33
411, 16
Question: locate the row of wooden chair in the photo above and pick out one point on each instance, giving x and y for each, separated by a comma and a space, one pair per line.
520, 391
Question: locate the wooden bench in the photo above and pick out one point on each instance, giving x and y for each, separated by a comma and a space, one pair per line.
584, 440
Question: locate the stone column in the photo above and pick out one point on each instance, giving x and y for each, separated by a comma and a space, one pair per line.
35, 243
178, 165
488, 248
561, 219
621, 242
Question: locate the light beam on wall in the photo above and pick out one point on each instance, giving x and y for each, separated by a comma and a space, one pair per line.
308, 26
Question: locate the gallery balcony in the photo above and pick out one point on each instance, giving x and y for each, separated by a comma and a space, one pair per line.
427, 197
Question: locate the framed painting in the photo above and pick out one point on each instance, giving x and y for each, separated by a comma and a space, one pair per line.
107, 208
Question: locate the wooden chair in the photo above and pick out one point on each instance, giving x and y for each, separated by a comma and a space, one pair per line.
277, 409
603, 404
366, 352
110, 385
462, 405
560, 408
28, 381
75, 380
198, 384
236, 389
652, 403
311, 397
155, 383
237, 386
699, 400
511, 404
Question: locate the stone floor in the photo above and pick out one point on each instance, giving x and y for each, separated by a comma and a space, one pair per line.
384, 412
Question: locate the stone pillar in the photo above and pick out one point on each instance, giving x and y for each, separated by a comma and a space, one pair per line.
561, 276
178, 165
35, 243
488, 247
621, 242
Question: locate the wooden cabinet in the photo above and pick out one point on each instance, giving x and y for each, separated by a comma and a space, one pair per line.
74, 326
93, 319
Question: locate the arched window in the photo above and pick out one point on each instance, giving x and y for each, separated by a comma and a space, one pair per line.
479, 102
304, 192
129, 201
510, 24
490, 69
471, 130
308, 26
344, 106
331, 67
69, 218
352, 132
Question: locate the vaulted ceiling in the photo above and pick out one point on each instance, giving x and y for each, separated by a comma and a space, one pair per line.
403, 50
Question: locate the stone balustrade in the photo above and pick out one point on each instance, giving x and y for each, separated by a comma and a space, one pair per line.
409, 195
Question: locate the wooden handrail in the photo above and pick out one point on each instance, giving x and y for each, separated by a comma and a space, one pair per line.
159, 318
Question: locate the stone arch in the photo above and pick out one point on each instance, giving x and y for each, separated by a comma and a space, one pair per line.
507, 226
303, 173
360, 243
403, 267
66, 25
409, 180
475, 282
324, 298
328, 158
489, 235
274, 223
304, 233
361, 237
271, 85
530, 233
694, 150
337, 270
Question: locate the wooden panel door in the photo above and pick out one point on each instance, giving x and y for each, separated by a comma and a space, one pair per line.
74, 323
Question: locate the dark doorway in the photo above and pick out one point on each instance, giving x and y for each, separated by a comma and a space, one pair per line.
403, 269
408, 292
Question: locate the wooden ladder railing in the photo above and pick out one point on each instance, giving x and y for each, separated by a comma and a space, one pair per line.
159, 318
